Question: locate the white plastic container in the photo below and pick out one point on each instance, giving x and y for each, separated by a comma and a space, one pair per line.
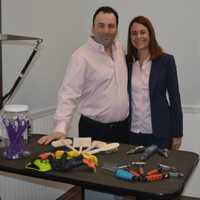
15, 119
21, 112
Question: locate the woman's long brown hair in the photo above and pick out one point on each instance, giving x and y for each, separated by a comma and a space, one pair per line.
154, 47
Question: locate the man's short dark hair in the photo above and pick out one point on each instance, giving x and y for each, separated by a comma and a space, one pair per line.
106, 9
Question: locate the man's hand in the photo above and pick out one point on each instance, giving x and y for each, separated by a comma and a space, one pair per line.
52, 136
176, 143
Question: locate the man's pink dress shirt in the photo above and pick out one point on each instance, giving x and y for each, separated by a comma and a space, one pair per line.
95, 84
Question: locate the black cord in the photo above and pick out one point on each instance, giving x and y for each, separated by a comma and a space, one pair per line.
9, 94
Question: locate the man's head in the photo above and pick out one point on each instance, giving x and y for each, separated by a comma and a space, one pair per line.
105, 24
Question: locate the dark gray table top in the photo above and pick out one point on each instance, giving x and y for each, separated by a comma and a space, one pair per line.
105, 181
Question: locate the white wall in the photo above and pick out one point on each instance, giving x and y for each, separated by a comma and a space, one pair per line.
18, 187
191, 143
65, 25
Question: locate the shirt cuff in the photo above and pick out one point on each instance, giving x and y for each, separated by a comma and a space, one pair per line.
60, 127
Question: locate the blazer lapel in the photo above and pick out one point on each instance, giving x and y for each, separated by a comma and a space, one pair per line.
154, 74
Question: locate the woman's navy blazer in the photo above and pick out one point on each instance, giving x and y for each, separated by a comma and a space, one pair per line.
166, 111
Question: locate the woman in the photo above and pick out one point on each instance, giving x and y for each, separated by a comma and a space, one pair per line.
155, 105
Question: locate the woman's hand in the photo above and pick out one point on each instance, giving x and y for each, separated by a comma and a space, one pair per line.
52, 136
176, 143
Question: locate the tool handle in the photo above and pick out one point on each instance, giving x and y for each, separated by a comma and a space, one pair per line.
149, 152
123, 174
153, 171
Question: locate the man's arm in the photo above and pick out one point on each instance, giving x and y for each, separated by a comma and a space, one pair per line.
68, 98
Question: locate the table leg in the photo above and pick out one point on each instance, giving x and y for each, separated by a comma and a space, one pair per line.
82, 193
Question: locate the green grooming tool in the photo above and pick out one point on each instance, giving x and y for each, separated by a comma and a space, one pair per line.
39, 165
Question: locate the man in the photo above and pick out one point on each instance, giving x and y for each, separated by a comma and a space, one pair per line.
96, 84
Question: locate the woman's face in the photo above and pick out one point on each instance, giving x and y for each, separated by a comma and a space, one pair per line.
140, 37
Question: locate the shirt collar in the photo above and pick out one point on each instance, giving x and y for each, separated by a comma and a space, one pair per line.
99, 46
147, 62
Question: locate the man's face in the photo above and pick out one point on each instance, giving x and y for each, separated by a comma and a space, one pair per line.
105, 28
